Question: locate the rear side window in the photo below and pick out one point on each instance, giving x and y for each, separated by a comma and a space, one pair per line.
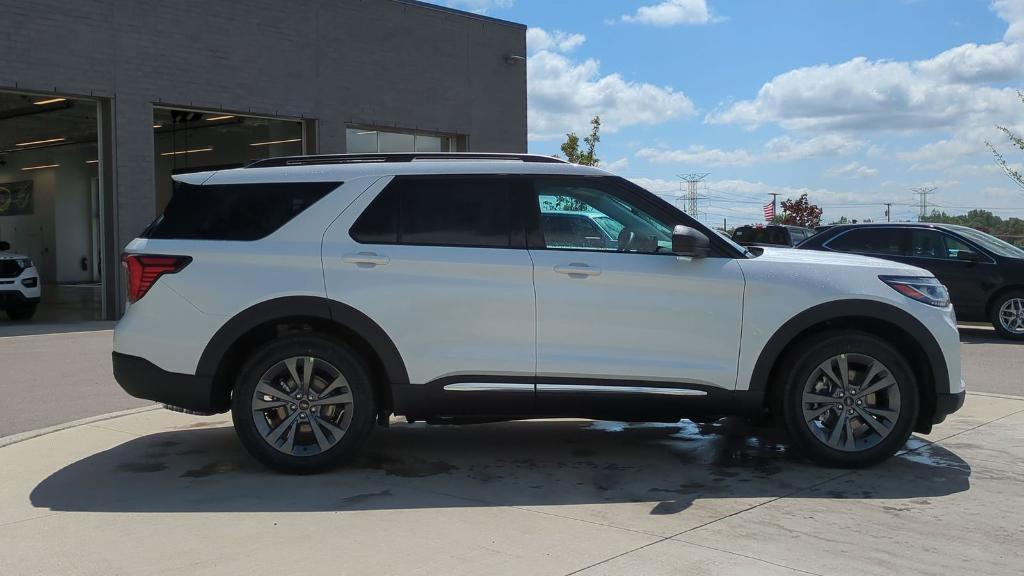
431, 211
234, 211
869, 241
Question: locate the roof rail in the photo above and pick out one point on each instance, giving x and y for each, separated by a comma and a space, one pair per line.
398, 157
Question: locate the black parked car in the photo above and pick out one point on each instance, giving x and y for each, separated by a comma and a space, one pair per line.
772, 235
984, 275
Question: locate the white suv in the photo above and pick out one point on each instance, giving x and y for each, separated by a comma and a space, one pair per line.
19, 284
314, 296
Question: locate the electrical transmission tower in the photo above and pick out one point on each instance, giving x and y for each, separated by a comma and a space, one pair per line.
923, 192
692, 180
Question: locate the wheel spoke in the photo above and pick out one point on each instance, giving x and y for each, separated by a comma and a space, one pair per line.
307, 374
290, 363
890, 415
875, 369
321, 440
289, 445
261, 404
338, 383
812, 398
880, 428
812, 414
877, 386
338, 432
268, 390
840, 425
849, 442
274, 435
844, 371
827, 370
343, 398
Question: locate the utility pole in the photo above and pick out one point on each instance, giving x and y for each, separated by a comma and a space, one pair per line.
775, 203
888, 211
923, 192
692, 180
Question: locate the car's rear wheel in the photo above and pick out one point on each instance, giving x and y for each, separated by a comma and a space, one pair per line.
21, 311
303, 404
849, 399
1008, 315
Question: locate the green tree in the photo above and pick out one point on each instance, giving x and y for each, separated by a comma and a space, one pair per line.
585, 157
801, 212
1011, 229
1018, 142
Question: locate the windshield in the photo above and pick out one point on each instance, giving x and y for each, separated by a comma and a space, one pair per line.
991, 243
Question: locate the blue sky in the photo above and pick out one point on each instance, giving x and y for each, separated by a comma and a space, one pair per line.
855, 102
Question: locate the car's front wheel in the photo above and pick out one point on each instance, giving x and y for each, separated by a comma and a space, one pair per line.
1008, 315
849, 399
303, 404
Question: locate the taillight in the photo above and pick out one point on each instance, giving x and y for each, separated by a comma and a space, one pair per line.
143, 270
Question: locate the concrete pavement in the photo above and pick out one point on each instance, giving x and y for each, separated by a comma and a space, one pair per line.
164, 493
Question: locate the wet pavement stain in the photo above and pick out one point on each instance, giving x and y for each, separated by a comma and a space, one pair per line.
404, 468
361, 498
208, 470
141, 467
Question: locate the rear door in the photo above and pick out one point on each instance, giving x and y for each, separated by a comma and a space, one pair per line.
439, 262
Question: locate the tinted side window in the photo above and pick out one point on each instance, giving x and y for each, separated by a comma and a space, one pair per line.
869, 241
474, 212
234, 211
932, 244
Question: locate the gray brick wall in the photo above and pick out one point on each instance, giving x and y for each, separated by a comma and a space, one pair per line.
378, 62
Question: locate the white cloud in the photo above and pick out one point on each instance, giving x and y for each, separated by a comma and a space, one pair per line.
671, 13
564, 94
616, 166
781, 149
939, 154
946, 92
854, 169
478, 6
538, 39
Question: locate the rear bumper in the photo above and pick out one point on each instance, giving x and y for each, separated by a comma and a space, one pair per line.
143, 379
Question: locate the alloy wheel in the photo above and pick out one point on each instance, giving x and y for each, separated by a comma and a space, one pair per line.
1011, 315
302, 406
851, 402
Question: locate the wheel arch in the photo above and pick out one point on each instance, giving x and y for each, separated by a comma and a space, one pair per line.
271, 319
888, 322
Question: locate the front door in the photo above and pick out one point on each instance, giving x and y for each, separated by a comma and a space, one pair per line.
628, 317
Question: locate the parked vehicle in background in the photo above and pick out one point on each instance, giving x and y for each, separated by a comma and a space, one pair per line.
19, 284
984, 275
315, 296
822, 228
771, 235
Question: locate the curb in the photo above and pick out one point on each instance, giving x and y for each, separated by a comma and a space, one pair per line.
22, 436
993, 395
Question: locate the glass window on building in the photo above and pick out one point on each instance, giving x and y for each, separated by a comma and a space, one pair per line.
372, 141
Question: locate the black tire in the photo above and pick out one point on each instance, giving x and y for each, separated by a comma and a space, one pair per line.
331, 354
857, 349
1007, 298
21, 311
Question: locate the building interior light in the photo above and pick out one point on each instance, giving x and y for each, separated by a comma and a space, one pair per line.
365, 133
275, 142
36, 142
158, 125
192, 151
49, 101
40, 167
92, 161
214, 118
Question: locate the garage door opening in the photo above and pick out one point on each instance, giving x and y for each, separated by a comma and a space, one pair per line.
50, 209
195, 141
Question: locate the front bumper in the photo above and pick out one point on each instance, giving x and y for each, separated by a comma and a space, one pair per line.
15, 297
946, 404
143, 379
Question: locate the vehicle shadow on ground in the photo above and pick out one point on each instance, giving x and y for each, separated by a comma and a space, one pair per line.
982, 336
540, 463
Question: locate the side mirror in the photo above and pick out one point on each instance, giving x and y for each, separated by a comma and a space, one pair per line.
4, 246
689, 242
967, 255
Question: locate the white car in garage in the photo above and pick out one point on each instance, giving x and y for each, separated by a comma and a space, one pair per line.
19, 284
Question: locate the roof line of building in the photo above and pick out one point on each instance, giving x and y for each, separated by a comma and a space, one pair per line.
463, 13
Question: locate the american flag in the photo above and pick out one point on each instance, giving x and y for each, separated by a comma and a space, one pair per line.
769, 212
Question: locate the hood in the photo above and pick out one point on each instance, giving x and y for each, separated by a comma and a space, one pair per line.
11, 256
798, 256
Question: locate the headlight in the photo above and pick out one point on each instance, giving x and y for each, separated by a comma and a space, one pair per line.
25, 263
923, 289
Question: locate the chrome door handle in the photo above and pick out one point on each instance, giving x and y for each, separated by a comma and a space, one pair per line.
577, 269
366, 258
